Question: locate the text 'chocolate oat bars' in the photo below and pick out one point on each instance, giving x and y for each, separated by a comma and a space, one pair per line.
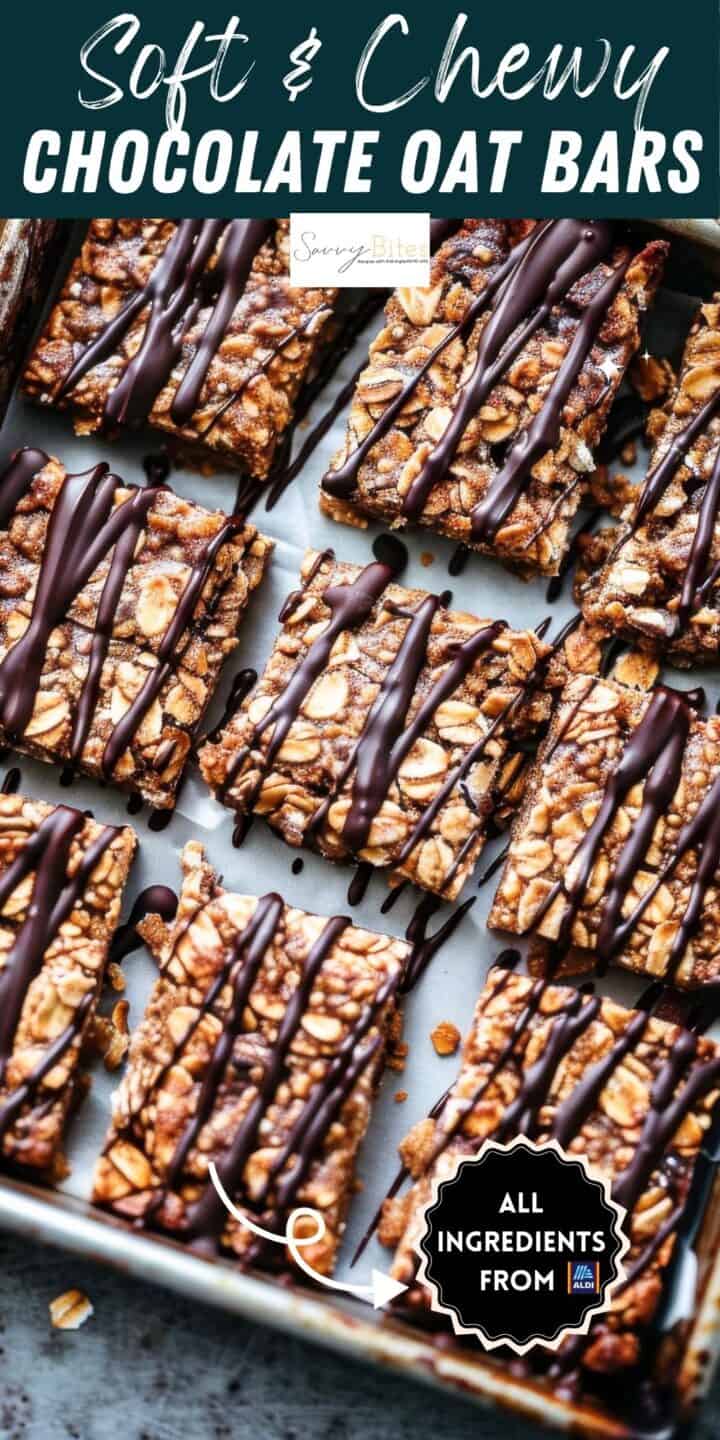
260, 1049
61, 885
632, 1094
615, 853
487, 392
118, 606
379, 728
659, 585
191, 325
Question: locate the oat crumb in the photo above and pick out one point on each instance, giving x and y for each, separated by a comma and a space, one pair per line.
445, 1037
426, 558
400, 1096
70, 1310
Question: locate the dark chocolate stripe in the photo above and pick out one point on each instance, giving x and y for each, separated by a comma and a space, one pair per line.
83, 527
248, 952
543, 432
350, 606
12, 1104
180, 284
655, 750
560, 252
54, 894
520, 1118
208, 1214
341, 482
226, 282
166, 658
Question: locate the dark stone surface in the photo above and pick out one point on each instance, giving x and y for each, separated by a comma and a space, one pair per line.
147, 1366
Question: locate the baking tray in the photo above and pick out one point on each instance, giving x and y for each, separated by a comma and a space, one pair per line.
446, 992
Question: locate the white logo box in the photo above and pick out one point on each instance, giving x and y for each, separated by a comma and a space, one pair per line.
359, 250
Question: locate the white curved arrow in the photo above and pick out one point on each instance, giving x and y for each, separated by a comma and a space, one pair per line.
379, 1292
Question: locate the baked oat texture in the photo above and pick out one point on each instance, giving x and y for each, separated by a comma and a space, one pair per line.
637, 592
51, 976
172, 541
253, 378
534, 536
172, 1053
428, 826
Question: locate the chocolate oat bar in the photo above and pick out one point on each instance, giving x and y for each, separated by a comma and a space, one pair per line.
659, 585
260, 1050
29, 254
190, 325
118, 606
631, 1093
616, 849
380, 726
487, 392
61, 885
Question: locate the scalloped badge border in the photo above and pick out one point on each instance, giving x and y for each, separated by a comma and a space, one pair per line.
594, 1177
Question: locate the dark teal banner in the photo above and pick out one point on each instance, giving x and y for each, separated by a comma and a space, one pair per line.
198, 109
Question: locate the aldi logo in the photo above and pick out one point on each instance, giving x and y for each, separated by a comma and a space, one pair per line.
583, 1277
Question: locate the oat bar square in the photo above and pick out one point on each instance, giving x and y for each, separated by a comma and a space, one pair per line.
487, 393
118, 605
380, 727
261, 1046
189, 325
61, 885
631, 1093
616, 849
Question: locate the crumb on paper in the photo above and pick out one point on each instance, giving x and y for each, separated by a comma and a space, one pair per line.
116, 977
426, 558
400, 1097
70, 1310
628, 454
652, 377
445, 1037
397, 1057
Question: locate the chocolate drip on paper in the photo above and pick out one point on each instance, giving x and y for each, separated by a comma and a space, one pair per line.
425, 947
240, 688
11, 783
54, 894
178, 287
357, 888
155, 900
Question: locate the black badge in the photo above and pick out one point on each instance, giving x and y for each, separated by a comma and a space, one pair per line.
521, 1245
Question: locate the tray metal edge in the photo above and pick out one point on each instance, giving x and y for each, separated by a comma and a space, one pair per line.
391, 1346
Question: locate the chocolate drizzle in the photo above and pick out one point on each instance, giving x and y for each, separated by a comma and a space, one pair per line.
177, 289
206, 1216
519, 298
54, 894
425, 947
697, 580
350, 606
85, 525
653, 754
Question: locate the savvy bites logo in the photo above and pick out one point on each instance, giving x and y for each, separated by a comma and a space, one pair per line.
367, 250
